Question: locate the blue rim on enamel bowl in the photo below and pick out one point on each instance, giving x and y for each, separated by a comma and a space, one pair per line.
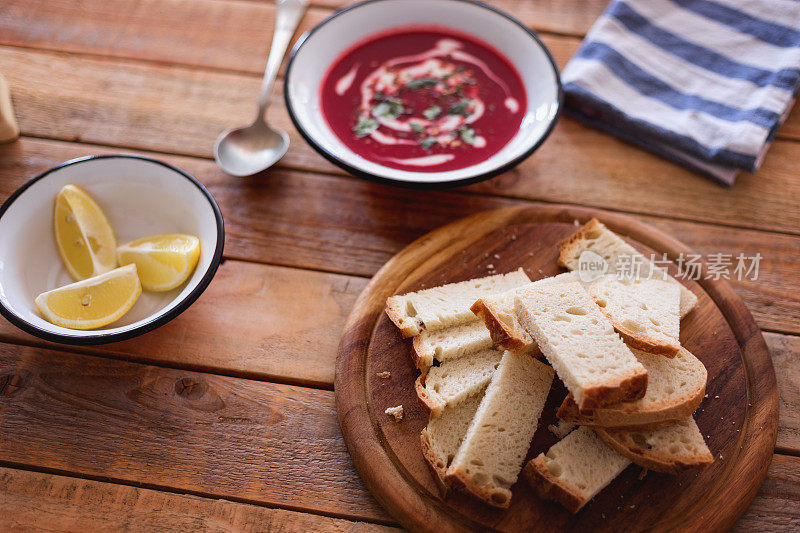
157, 319
354, 164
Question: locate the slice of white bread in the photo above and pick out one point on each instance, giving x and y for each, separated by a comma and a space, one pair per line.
645, 312
669, 449
453, 381
675, 388
451, 343
490, 458
447, 305
581, 344
596, 237
500, 317
575, 469
442, 437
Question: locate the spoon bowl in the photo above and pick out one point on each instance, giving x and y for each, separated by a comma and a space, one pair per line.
251, 149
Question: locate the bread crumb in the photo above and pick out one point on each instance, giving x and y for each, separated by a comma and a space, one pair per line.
575, 222
496, 256
385, 374
396, 412
490, 266
561, 428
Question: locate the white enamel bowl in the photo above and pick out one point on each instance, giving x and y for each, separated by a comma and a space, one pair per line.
319, 48
140, 196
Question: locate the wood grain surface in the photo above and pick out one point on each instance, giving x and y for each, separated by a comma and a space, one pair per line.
197, 433
165, 77
47, 502
233, 35
739, 416
187, 108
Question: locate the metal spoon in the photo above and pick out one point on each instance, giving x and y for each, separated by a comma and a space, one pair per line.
251, 149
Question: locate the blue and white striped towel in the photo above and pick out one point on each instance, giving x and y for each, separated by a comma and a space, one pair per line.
705, 83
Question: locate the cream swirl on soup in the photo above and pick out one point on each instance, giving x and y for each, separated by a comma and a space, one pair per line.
446, 105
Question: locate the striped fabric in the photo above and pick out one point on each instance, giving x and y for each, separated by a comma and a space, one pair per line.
704, 83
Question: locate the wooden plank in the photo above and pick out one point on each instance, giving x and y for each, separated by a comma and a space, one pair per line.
571, 18
581, 166
785, 351
775, 507
232, 35
252, 321
214, 436
170, 109
38, 501
353, 226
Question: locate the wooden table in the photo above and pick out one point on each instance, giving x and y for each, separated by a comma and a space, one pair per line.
224, 418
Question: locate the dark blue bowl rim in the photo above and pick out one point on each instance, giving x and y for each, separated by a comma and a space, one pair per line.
341, 163
100, 338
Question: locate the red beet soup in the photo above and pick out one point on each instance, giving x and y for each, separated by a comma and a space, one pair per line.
423, 99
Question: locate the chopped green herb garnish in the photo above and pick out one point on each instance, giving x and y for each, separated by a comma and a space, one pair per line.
421, 83
427, 142
389, 108
432, 112
417, 127
365, 126
459, 108
467, 134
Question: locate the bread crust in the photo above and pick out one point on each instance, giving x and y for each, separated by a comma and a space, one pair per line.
629, 389
408, 326
458, 478
628, 417
421, 354
618, 418
431, 402
500, 332
624, 444
645, 344
433, 463
549, 487
640, 342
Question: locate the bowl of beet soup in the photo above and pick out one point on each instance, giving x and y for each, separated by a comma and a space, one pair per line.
423, 93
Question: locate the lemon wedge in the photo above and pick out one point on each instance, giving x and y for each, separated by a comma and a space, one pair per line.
84, 236
93, 302
163, 261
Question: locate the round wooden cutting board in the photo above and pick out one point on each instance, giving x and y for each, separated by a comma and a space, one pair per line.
739, 416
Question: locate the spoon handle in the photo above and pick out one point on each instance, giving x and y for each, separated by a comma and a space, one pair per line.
286, 21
